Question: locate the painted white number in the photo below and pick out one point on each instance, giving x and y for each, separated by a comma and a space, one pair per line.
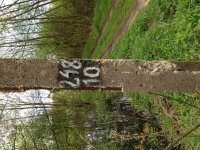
74, 68
91, 75
67, 64
66, 73
74, 64
74, 85
89, 81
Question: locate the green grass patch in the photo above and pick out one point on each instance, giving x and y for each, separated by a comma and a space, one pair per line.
102, 9
121, 11
164, 30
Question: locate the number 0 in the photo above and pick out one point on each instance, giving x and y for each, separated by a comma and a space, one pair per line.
91, 75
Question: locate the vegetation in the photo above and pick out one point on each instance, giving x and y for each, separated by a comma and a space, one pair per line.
45, 28
95, 120
66, 36
164, 30
121, 9
19, 27
102, 9
170, 31
178, 113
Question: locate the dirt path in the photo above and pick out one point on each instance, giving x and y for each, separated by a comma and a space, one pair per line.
125, 26
114, 3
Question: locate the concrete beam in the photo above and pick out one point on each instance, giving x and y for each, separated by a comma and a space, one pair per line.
114, 75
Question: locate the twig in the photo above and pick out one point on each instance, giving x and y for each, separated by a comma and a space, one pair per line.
183, 136
178, 100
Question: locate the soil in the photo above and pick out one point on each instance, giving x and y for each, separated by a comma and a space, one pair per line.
125, 26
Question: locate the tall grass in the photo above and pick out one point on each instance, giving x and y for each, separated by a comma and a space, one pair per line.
164, 30
120, 12
102, 9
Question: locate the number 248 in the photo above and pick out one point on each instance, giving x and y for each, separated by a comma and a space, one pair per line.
89, 72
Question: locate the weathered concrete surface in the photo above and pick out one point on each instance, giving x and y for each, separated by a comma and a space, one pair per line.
155, 76
24, 74
116, 75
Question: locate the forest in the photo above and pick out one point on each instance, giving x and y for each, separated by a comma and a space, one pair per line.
100, 29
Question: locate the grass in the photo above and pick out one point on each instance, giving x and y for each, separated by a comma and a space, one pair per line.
168, 30
164, 30
102, 8
175, 116
120, 12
